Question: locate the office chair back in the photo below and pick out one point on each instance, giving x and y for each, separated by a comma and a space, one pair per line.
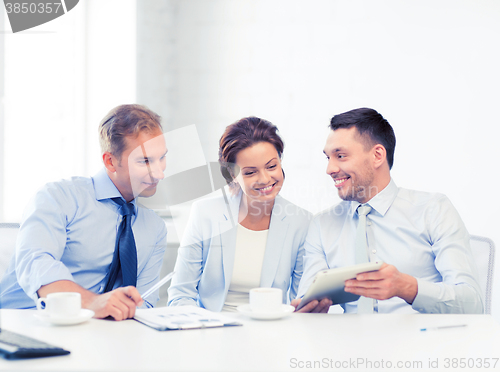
8, 236
483, 250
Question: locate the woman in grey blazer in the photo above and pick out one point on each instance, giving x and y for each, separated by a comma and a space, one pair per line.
250, 238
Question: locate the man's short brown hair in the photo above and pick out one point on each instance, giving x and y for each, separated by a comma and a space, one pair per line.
124, 121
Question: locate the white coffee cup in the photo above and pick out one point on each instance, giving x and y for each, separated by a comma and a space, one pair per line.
60, 304
266, 300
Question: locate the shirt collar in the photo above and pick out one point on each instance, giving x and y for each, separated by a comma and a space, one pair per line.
382, 201
105, 188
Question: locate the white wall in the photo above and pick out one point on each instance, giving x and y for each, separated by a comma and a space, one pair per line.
430, 67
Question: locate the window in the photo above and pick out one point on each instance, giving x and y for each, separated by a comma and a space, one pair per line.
59, 80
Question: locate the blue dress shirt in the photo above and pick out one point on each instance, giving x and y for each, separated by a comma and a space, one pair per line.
68, 233
420, 233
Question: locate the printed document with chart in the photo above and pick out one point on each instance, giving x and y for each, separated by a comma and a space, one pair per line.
182, 317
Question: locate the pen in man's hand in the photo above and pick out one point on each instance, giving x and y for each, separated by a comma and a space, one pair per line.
158, 285
443, 327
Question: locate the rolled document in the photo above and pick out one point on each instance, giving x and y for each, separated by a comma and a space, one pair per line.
158, 285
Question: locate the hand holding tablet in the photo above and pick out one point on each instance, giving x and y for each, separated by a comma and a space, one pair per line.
330, 284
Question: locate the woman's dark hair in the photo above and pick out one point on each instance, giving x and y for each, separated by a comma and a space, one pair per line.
238, 136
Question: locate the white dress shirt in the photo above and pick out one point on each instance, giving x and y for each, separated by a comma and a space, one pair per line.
420, 233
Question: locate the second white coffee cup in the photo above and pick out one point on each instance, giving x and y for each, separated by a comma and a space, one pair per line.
60, 304
266, 300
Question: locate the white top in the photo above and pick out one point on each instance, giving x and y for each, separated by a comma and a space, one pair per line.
248, 259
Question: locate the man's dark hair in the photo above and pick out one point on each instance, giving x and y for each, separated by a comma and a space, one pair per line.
371, 126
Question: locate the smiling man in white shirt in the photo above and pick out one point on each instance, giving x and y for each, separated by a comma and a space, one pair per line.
428, 266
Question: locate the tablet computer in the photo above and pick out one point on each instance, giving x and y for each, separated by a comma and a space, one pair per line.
330, 283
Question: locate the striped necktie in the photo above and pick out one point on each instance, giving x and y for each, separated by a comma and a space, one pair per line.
365, 304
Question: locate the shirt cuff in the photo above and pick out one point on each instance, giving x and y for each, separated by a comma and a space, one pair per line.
52, 276
427, 295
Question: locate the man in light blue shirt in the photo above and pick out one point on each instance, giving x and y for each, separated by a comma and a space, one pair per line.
428, 265
67, 237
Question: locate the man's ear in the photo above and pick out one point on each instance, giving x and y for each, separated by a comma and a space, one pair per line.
379, 155
110, 162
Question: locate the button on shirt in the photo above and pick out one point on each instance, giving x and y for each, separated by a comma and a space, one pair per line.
420, 233
68, 233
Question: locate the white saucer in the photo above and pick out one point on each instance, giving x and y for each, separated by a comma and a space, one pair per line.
285, 311
84, 315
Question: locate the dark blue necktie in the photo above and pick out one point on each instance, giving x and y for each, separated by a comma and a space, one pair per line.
125, 255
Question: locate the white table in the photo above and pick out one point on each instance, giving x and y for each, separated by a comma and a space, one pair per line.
299, 342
